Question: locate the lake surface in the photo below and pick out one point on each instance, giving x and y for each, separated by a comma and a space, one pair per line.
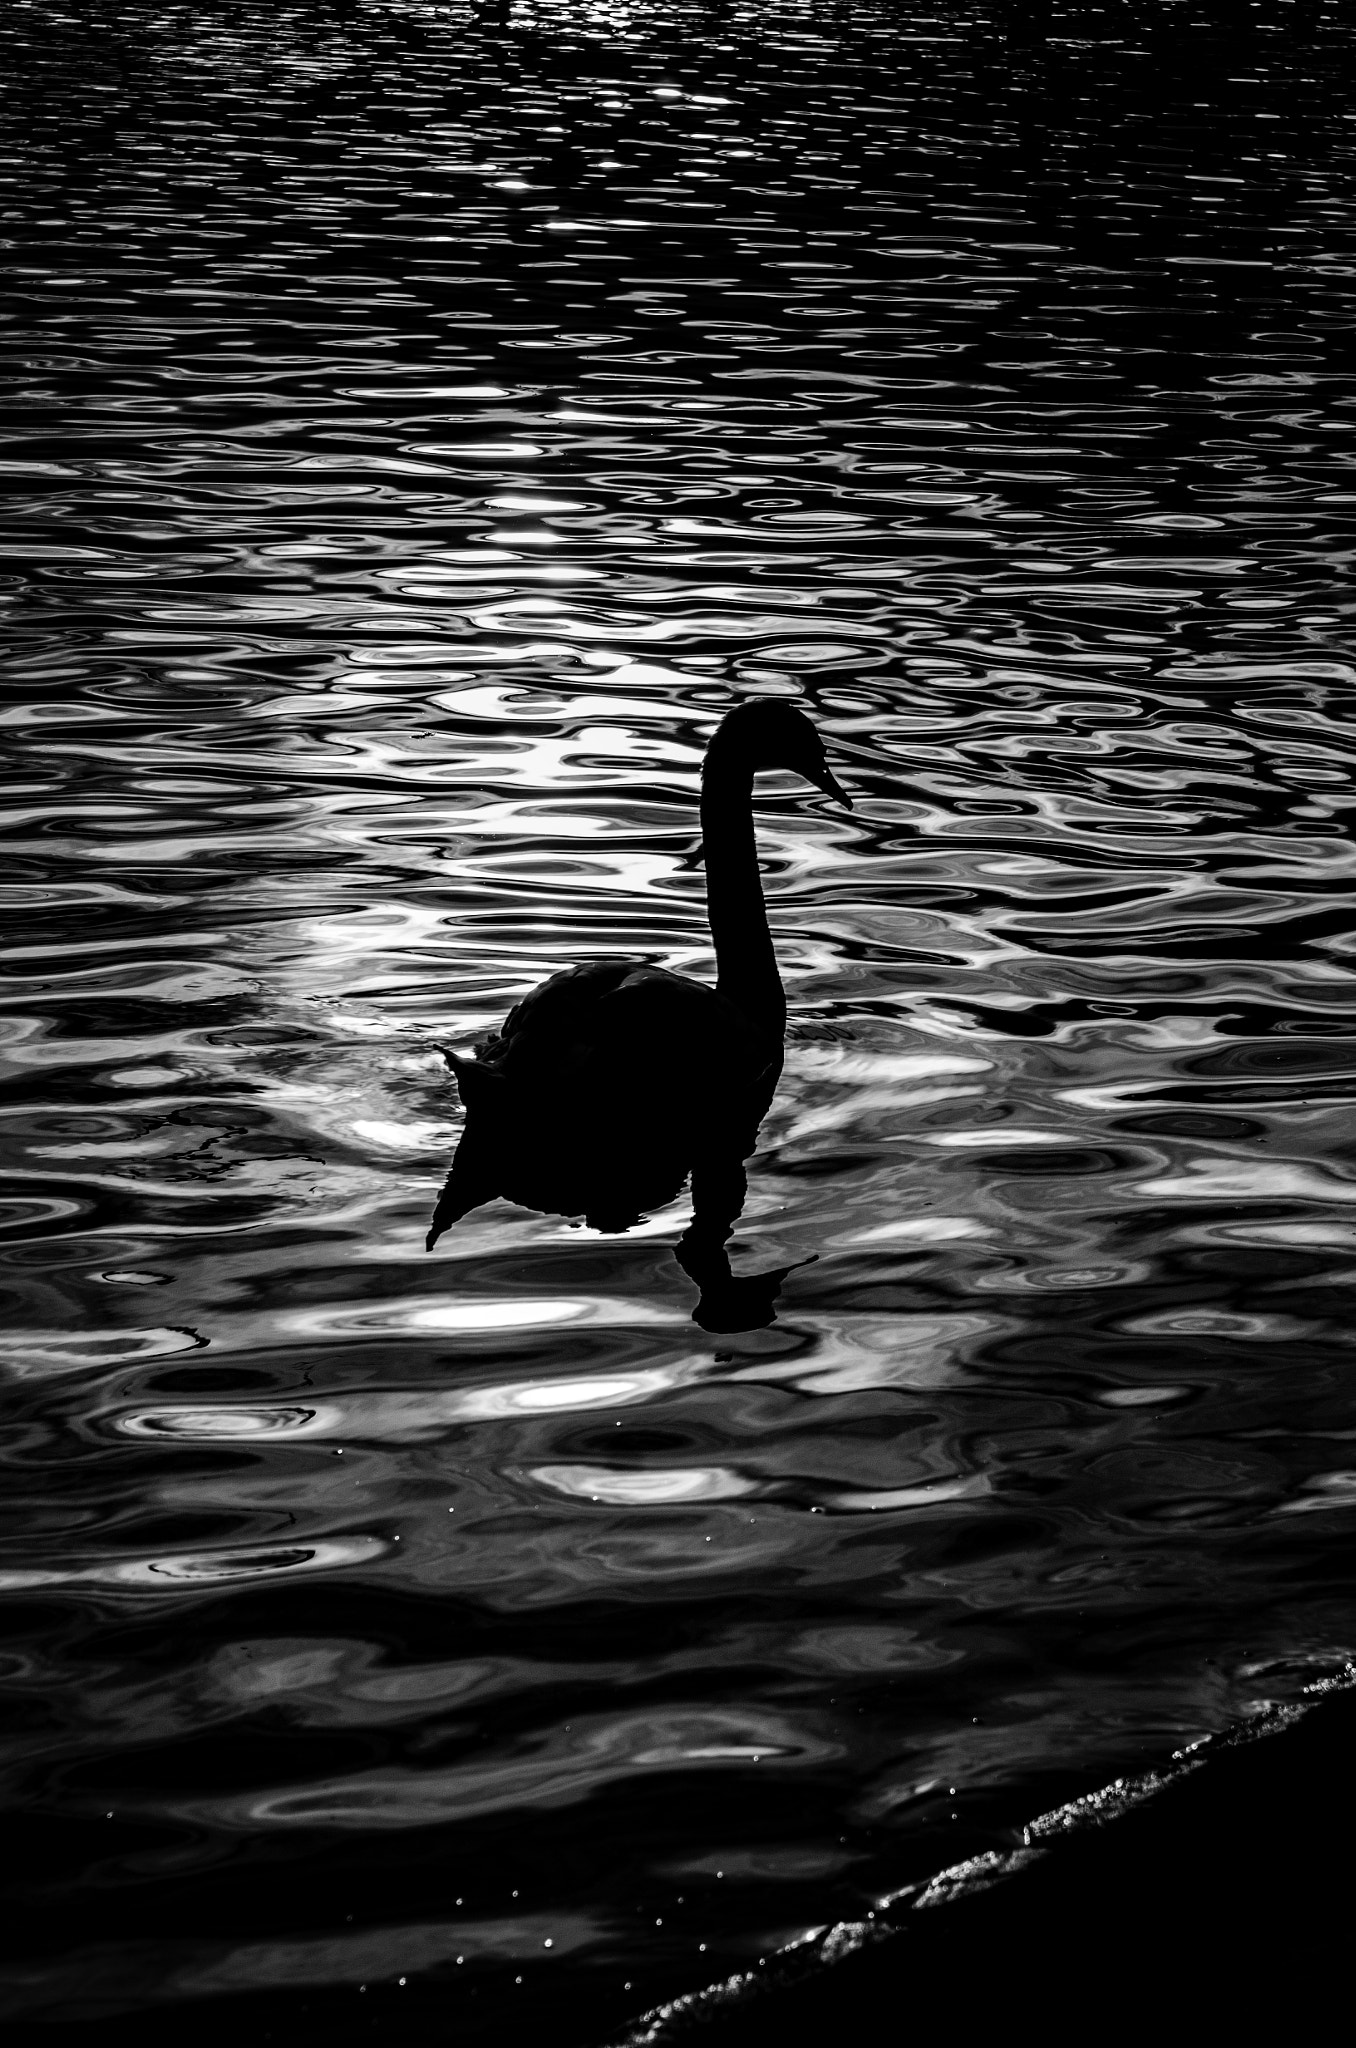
421, 426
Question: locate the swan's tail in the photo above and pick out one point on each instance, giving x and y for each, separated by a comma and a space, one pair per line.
468, 1185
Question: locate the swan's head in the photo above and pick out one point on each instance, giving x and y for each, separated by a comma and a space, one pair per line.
767, 732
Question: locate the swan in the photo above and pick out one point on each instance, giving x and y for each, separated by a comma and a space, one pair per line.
609, 1084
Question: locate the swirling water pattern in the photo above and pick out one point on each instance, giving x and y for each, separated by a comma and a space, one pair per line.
420, 424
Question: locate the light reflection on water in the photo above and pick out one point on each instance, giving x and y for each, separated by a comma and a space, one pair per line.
422, 424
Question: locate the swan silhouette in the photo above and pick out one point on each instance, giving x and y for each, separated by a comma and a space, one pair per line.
609, 1084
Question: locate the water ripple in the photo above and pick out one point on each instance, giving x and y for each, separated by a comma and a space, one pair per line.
419, 424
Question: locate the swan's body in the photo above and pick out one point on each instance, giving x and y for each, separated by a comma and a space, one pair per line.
612, 1082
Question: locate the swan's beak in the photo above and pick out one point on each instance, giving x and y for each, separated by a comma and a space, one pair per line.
824, 778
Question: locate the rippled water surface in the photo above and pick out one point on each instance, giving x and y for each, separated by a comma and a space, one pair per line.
420, 426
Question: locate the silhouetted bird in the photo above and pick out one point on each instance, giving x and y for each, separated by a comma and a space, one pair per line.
610, 1083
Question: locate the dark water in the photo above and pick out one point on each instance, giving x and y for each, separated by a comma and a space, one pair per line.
419, 425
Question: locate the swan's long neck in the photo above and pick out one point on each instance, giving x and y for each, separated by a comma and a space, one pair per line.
746, 966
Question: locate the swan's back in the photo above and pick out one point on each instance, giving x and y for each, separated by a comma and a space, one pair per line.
614, 1024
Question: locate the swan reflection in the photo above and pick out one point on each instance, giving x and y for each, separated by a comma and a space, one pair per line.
613, 1082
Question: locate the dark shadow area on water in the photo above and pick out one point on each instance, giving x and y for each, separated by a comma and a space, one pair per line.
1211, 1892
1215, 1894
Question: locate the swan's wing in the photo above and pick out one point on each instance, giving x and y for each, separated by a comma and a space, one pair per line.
678, 1034
617, 1009
622, 1031
559, 1008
